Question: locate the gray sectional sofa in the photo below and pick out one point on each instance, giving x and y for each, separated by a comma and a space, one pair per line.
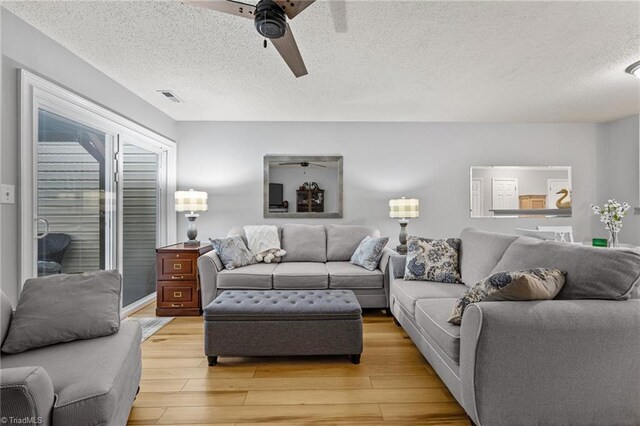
572, 360
81, 383
317, 258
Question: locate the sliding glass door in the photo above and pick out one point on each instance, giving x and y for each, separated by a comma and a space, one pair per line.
72, 207
93, 192
142, 184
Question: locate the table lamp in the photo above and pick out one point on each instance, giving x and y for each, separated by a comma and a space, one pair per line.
403, 209
191, 201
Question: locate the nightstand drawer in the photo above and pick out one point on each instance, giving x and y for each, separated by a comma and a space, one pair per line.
177, 295
177, 267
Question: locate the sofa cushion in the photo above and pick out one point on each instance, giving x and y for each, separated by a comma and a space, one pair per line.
233, 252
343, 240
347, 275
431, 316
433, 260
5, 316
369, 252
258, 276
406, 293
592, 272
528, 284
65, 307
95, 380
480, 252
301, 275
304, 243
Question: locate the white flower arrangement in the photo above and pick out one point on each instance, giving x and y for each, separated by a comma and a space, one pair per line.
611, 214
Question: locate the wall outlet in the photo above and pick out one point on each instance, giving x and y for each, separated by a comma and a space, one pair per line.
7, 194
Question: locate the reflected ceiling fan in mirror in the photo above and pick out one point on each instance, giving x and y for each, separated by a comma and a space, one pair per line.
302, 164
270, 19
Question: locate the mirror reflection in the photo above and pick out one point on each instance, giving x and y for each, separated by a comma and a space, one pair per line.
302, 186
520, 191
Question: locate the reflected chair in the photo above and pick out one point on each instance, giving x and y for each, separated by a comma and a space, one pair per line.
563, 233
51, 249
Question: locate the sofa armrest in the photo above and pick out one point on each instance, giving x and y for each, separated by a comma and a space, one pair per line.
397, 264
551, 362
26, 392
383, 266
209, 264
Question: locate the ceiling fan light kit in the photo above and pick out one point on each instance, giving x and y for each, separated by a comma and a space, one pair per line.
270, 20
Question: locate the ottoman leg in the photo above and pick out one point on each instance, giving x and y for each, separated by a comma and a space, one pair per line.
212, 360
355, 358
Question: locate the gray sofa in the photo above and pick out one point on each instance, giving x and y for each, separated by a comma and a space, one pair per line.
80, 383
572, 360
317, 258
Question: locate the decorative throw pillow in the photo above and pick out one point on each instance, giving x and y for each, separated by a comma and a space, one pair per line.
527, 284
64, 307
433, 260
233, 252
369, 252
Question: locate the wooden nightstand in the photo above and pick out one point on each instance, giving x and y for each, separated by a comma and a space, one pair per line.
178, 284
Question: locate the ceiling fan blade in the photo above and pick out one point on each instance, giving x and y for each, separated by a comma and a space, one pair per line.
339, 14
318, 165
288, 49
289, 164
293, 7
226, 6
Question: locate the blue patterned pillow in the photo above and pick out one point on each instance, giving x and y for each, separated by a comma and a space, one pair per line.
526, 284
369, 252
233, 252
433, 260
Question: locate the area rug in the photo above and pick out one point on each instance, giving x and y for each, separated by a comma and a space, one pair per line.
150, 325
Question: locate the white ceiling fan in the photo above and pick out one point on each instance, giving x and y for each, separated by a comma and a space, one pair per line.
270, 19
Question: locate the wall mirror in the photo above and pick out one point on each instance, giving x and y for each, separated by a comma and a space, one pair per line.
520, 191
299, 186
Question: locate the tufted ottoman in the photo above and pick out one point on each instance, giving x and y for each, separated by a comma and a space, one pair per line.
283, 322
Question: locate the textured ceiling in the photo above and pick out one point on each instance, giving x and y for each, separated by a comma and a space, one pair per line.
397, 61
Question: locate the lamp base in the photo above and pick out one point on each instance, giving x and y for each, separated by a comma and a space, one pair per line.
192, 231
191, 243
401, 249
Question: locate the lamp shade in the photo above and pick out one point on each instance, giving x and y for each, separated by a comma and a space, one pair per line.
191, 201
404, 208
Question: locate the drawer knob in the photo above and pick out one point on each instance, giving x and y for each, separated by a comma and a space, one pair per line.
177, 277
177, 294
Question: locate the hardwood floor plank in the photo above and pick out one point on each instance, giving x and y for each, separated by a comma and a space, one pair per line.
161, 385
197, 373
410, 412
189, 399
274, 414
406, 382
145, 415
171, 362
349, 396
345, 370
268, 384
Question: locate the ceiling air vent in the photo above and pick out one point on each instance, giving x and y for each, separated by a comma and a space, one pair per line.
171, 96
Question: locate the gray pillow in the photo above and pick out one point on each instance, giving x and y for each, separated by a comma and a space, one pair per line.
65, 307
233, 252
592, 272
433, 260
528, 284
369, 252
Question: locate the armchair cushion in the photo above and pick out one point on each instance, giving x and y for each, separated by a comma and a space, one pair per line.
26, 392
480, 252
407, 293
62, 308
431, 316
95, 380
347, 275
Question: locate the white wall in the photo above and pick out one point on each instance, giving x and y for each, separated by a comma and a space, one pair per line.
618, 173
429, 161
24, 46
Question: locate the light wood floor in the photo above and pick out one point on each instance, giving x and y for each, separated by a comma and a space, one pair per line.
392, 385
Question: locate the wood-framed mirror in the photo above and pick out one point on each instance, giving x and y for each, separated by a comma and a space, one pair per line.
303, 186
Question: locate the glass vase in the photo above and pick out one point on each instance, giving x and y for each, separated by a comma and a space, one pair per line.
613, 239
